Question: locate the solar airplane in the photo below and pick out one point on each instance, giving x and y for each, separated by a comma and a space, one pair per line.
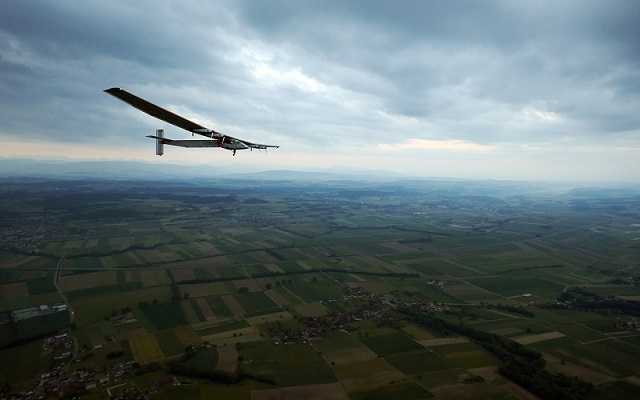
215, 139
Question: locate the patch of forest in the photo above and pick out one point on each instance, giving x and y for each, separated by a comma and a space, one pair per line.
520, 363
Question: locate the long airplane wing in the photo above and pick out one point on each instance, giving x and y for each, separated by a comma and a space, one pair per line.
158, 112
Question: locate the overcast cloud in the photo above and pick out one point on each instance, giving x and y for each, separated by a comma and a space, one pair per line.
478, 89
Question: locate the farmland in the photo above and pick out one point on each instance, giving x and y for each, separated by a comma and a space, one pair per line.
286, 288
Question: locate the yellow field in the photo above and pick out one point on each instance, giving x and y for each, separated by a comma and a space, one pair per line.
145, 349
187, 336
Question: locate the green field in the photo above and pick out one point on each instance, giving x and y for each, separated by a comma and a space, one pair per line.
394, 391
390, 344
165, 316
205, 359
169, 343
311, 284
291, 365
418, 361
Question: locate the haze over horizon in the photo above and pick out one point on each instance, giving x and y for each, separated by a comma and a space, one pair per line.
494, 89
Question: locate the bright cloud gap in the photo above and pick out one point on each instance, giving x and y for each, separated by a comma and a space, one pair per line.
425, 144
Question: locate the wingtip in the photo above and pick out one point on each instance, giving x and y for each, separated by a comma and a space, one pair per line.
113, 89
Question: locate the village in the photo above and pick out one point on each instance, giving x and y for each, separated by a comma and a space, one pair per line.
375, 309
57, 382
27, 235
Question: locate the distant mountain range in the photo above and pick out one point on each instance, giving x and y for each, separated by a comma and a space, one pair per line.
117, 170
16, 168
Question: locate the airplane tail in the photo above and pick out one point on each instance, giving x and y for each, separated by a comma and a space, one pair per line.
159, 142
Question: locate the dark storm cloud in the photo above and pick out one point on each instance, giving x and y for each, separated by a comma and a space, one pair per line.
326, 72
58, 56
567, 54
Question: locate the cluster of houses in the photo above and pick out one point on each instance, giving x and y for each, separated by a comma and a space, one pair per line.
61, 345
316, 327
126, 318
58, 383
419, 305
27, 238
627, 325
125, 392
55, 382
33, 230
374, 310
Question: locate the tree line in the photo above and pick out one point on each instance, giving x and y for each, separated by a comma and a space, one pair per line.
520, 363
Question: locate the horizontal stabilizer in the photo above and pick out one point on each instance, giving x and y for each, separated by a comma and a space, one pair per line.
185, 143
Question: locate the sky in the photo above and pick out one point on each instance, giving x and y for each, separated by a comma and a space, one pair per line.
521, 90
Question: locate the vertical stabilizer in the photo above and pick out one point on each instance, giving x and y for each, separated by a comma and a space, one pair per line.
159, 144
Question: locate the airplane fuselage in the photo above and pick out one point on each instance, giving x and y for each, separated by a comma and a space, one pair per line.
235, 145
